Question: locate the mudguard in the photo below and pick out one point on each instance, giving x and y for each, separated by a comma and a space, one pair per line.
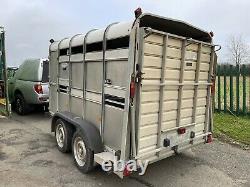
88, 129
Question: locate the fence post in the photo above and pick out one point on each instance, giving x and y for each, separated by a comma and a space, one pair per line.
244, 88
225, 88
238, 89
219, 96
231, 89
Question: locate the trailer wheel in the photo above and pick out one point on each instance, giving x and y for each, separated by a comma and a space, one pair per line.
63, 135
83, 155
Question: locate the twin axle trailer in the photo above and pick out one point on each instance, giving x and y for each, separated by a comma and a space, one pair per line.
138, 91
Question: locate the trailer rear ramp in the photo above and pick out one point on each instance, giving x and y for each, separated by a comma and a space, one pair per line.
175, 94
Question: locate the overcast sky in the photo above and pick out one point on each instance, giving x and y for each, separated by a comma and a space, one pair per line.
29, 24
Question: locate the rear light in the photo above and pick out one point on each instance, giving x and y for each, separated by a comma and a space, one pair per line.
181, 130
126, 172
132, 89
38, 88
138, 12
209, 138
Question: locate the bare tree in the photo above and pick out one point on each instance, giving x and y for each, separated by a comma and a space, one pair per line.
238, 50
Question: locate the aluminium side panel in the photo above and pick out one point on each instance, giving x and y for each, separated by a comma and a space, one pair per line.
93, 87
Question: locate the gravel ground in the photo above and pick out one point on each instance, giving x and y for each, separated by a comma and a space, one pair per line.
29, 157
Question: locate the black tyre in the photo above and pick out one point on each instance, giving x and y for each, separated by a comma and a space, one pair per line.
83, 155
63, 136
20, 105
46, 108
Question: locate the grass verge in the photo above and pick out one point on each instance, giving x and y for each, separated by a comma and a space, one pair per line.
236, 128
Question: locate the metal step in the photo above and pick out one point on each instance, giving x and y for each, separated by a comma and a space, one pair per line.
104, 156
107, 156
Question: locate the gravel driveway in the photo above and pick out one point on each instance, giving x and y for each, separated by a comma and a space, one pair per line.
29, 157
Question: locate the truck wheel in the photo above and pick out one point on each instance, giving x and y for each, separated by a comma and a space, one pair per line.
20, 105
63, 135
83, 155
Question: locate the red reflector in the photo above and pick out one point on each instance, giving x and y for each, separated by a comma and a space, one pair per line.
138, 12
132, 89
38, 88
181, 130
209, 138
126, 172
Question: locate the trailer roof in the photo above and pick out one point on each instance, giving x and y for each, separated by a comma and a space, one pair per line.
117, 30
174, 26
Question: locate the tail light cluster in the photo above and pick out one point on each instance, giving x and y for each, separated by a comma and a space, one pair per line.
209, 138
181, 130
126, 171
132, 89
38, 88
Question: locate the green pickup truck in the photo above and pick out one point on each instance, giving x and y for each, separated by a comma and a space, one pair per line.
29, 87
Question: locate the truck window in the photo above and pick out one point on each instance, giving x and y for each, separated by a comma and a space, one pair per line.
45, 75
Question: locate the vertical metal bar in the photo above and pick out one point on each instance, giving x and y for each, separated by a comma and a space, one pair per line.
248, 75
104, 76
213, 79
134, 106
197, 76
244, 89
162, 88
238, 89
1, 63
125, 152
225, 88
231, 89
84, 71
248, 91
219, 90
70, 71
208, 102
3, 56
70, 77
180, 92
58, 67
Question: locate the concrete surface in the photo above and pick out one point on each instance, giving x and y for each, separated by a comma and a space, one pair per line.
29, 157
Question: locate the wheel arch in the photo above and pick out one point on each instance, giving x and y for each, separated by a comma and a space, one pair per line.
88, 129
17, 91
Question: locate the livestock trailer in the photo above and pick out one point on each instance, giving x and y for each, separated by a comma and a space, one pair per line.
139, 91
4, 104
